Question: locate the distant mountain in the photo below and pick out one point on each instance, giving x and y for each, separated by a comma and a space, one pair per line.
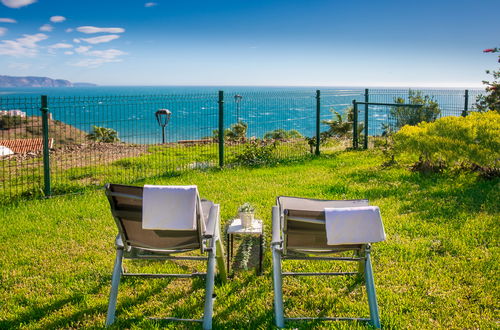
9, 81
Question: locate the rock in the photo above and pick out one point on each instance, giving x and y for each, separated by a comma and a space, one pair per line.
10, 81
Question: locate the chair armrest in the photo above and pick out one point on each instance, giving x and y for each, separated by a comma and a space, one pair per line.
276, 226
119, 242
212, 222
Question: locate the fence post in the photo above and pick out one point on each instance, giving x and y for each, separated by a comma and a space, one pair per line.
365, 142
221, 128
46, 152
318, 115
466, 104
355, 125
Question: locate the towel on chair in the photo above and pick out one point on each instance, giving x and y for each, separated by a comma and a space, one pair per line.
354, 225
169, 207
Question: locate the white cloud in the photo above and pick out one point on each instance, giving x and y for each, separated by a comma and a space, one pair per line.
150, 4
30, 40
90, 63
100, 57
22, 47
7, 20
17, 3
107, 54
93, 29
57, 19
68, 52
82, 49
76, 41
46, 28
69, 30
61, 45
3, 31
101, 39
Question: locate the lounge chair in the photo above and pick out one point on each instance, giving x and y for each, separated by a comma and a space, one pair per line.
134, 242
298, 226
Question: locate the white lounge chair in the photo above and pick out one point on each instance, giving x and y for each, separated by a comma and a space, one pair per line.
134, 242
298, 225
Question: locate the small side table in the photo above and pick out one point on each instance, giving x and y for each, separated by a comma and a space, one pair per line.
236, 228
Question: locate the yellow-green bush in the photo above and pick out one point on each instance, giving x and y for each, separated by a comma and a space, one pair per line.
474, 140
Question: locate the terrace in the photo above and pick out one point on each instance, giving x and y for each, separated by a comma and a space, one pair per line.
437, 269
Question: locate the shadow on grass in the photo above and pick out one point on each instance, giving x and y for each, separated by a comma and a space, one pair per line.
77, 300
68, 185
437, 197
36, 313
225, 318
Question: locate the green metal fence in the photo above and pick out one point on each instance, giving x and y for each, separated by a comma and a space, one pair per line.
62, 144
379, 114
283, 118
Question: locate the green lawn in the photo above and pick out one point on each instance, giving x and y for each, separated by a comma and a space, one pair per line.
73, 171
438, 268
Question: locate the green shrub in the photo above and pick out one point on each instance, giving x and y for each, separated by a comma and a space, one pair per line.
8, 122
282, 134
257, 153
311, 142
341, 126
490, 101
237, 132
428, 111
103, 134
386, 144
473, 140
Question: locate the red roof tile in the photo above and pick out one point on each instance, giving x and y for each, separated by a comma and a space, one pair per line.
21, 146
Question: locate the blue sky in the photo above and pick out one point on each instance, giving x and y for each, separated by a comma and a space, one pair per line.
284, 43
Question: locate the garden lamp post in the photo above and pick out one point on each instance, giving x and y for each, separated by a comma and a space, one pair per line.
163, 117
237, 99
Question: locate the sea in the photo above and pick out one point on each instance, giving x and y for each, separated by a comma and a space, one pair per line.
130, 110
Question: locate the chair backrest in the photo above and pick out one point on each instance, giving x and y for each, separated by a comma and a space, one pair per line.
126, 207
303, 222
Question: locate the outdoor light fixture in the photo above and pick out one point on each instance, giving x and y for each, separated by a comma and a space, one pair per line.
163, 117
237, 99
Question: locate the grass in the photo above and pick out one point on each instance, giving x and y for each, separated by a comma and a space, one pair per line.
73, 171
438, 268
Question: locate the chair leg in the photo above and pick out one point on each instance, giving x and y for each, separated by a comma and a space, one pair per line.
220, 255
370, 289
115, 282
361, 263
278, 291
209, 292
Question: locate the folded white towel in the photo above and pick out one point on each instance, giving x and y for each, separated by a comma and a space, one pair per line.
169, 207
354, 225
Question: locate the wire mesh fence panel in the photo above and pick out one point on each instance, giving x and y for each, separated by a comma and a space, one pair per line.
262, 124
337, 117
21, 146
98, 139
387, 119
121, 139
473, 95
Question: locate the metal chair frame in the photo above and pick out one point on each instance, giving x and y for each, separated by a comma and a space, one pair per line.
279, 253
210, 245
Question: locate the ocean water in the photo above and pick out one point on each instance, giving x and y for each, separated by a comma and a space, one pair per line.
195, 109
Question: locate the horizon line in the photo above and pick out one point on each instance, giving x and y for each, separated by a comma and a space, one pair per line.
441, 86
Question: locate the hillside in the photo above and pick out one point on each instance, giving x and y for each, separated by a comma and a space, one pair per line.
10, 81
31, 127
